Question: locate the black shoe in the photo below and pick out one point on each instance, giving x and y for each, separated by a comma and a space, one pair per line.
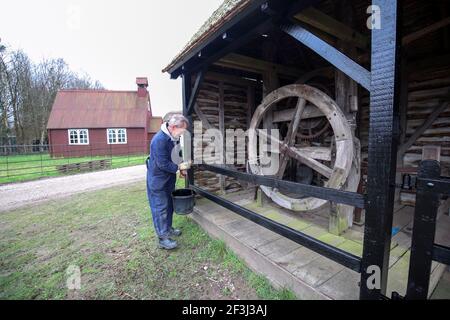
175, 232
167, 243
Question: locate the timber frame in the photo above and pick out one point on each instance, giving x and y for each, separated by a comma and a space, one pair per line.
382, 82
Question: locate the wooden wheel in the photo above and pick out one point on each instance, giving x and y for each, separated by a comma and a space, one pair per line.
334, 171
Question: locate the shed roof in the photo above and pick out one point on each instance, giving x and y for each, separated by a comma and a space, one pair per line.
98, 109
227, 10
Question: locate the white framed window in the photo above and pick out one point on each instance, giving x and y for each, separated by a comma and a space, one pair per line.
78, 136
116, 136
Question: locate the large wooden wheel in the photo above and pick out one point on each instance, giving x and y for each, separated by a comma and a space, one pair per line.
332, 163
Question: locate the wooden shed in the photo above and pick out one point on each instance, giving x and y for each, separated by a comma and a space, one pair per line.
359, 91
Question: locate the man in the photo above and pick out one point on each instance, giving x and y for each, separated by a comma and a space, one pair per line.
161, 178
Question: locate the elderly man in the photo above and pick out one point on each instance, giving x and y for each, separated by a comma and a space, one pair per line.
161, 178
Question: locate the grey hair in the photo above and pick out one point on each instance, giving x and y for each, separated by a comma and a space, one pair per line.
177, 119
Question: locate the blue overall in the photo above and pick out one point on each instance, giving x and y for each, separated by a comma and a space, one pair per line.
161, 178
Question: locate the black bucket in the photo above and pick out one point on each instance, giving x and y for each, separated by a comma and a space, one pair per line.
183, 201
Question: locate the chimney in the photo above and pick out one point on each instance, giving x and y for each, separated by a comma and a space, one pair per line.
142, 84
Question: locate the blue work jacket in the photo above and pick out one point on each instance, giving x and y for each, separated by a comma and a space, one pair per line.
161, 171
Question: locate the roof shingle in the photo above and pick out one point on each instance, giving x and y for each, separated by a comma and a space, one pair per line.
98, 109
227, 10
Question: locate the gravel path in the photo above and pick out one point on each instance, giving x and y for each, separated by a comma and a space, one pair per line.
16, 195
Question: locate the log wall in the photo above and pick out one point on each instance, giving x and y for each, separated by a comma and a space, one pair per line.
428, 89
237, 103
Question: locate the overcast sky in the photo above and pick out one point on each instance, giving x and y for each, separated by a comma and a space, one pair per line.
112, 41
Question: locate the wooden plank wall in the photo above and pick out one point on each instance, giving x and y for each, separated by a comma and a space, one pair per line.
236, 102
428, 89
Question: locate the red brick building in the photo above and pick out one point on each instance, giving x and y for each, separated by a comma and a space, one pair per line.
102, 122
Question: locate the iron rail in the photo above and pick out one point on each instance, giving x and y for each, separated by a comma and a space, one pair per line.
334, 195
340, 256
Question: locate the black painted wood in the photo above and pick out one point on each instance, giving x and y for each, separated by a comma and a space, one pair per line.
441, 185
332, 55
441, 254
337, 196
383, 141
340, 256
204, 47
186, 92
194, 92
236, 43
424, 228
255, 19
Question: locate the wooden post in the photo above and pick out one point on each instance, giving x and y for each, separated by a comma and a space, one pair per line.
382, 151
250, 104
222, 132
187, 89
250, 109
403, 109
270, 83
424, 228
346, 92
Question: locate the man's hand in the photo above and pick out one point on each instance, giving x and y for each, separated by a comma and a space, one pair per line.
183, 173
185, 165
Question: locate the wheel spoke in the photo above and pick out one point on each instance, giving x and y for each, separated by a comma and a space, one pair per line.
333, 166
310, 162
297, 154
291, 135
317, 153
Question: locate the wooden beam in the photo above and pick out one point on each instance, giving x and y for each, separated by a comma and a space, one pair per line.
332, 55
321, 34
422, 32
222, 132
325, 23
202, 117
241, 62
419, 131
291, 135
406, 40
346, 97
195, 91
286, 115
444, 10
327, 72
250, 104
298, 155
310, 162
188, 150
228, 78
403, 100
381, 151
429, 62
247, 31
317, 153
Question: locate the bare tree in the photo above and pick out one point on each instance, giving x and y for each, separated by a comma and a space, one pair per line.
27, 92
4, 98
15, 69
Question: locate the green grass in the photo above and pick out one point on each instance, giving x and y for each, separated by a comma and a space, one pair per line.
29, 167
263, 288
109, 235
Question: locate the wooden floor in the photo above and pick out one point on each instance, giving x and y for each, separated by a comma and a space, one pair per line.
308, 274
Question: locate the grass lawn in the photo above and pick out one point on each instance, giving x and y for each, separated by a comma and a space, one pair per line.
109, 235
35, 166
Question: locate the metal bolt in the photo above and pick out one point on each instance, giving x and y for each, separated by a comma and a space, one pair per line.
430, 184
